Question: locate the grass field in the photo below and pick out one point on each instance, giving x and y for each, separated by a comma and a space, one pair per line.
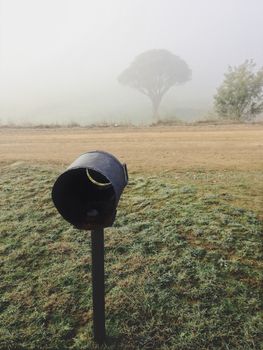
183, 260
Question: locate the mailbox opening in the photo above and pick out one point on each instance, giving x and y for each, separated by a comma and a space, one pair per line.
85, 198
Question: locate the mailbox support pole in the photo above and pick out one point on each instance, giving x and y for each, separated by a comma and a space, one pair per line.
97, 243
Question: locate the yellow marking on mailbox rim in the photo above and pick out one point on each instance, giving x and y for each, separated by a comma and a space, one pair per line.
102, 184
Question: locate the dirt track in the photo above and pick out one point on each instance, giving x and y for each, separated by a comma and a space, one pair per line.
238, 147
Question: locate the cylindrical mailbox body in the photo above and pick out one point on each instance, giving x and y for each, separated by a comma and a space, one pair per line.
88, 192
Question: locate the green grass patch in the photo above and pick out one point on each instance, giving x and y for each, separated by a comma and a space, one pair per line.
183, 264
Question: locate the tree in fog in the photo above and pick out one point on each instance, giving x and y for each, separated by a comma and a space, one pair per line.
153, 73
240, 97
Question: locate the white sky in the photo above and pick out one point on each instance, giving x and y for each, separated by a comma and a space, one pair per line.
59, 59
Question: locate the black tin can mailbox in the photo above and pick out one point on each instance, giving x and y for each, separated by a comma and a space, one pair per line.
88, 192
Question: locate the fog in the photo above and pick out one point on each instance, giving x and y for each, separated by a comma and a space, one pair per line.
60, 59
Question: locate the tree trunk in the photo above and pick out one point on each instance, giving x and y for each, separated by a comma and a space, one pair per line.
156, 101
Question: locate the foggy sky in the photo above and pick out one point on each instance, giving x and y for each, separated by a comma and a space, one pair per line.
60, 59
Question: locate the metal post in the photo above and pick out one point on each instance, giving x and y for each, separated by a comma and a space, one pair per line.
97, 243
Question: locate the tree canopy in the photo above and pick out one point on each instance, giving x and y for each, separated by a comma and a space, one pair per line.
153, 73
240, 96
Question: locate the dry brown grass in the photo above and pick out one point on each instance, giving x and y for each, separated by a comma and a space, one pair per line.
152, 149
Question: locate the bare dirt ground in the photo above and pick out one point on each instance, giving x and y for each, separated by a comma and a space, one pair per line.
152, 149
